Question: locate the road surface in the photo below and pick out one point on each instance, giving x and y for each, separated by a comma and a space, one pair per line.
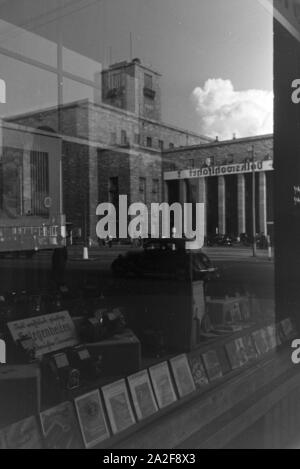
240, 272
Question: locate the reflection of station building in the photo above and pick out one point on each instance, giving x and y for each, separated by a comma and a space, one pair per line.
114, 145
118, 144
220, 174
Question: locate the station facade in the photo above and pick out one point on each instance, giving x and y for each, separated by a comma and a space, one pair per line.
224, 176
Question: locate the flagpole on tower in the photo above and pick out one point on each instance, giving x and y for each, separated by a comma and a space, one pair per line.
131, 46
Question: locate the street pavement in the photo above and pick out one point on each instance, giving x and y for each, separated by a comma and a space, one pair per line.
237, 253
239, 270
105, 254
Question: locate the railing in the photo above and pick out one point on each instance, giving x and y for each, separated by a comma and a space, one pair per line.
44, 230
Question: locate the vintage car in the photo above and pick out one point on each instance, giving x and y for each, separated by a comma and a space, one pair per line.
166, 258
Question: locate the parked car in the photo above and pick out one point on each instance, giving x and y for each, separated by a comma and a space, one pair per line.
166, 258
220, 240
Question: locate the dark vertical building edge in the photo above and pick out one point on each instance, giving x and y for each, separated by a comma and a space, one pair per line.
286, 175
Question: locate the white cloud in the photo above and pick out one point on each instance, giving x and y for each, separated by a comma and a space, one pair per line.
223, 111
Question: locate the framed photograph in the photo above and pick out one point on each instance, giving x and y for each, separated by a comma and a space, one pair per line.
288, 328
260, 341
271, 336
91, 418
280, 339
142, 394
60, 427
237, 353
250, 348
118, 406
245, 309
198, 370
212, 365
235, 313
24, 434
162, 384
182, 374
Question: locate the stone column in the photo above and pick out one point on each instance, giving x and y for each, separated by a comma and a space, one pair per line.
26, 182
182, 201
201, 198
263, 203
241, 204
182, 191
222, 204
166, 192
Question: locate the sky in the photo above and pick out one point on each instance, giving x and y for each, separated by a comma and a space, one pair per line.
215, 56
203, 45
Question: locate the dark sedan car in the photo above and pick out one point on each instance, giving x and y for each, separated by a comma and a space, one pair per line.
220, 240
165, 258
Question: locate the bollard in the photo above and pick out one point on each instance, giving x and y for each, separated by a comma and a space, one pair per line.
269, 248
86, 253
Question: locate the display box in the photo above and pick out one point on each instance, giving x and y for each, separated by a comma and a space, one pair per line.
166, 314
121, 354
227, 310
20, 392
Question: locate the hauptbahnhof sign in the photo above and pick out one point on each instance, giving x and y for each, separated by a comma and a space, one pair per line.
236, 168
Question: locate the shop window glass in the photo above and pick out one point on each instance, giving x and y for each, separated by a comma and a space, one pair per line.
79, 81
